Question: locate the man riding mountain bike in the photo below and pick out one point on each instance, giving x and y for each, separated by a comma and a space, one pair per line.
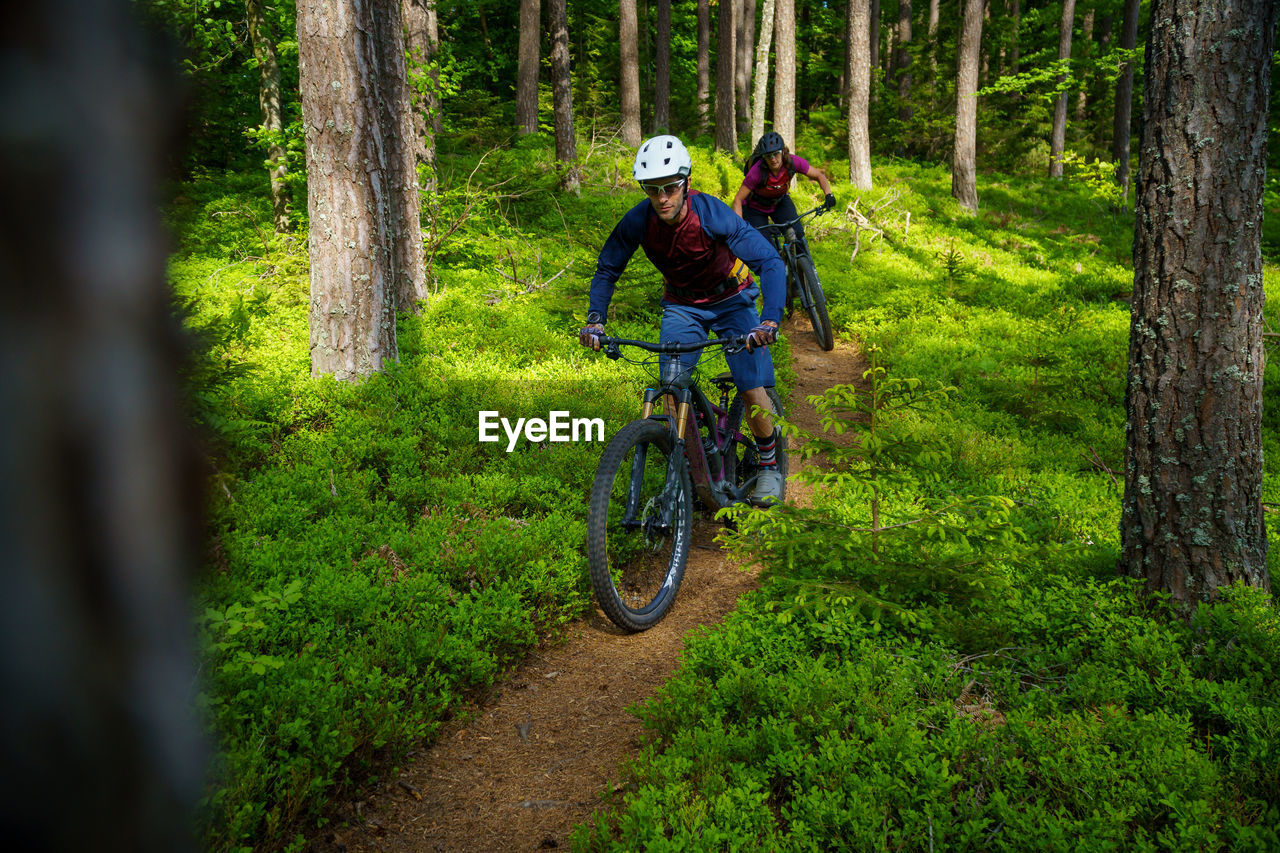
764, 194
706, 255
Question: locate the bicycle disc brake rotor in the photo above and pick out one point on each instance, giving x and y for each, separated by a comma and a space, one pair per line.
655, 532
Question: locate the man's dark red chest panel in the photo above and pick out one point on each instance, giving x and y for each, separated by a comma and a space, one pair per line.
694, 265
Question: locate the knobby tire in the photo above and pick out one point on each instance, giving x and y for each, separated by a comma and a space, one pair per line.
816, 301
636, 573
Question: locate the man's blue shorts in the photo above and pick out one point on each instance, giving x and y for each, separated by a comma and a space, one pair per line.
728, 318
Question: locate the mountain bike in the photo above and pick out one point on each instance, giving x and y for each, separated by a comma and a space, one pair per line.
802, 278
639, 522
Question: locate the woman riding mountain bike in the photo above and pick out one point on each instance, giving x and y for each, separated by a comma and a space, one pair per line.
764, 194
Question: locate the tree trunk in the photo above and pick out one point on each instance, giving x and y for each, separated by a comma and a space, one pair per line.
759, 93
97, 473
1058, 144
964, 167
662, 70
726, 52
1124, 98
629, 68
902, 60
365, 238
1192, 517
1086, 51
704, 67
422, 43
873, 31
784, 83
933, 45
527, 69
858, 70
264, 51
746, 38
562, 95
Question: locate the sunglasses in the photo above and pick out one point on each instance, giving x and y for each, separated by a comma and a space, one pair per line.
656, 190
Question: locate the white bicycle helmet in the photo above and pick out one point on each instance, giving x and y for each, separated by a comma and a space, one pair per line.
661, 157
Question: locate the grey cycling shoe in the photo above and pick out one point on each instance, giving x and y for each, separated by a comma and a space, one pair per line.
768, 488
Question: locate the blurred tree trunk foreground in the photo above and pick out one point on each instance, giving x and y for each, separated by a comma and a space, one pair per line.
366, 237
98, 482
1192, 517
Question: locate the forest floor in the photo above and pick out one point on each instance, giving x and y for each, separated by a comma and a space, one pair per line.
528, 761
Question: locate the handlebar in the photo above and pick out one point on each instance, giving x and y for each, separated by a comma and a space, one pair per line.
780, 228
612, 346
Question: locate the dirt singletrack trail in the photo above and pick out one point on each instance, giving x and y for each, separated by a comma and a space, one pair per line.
529, 762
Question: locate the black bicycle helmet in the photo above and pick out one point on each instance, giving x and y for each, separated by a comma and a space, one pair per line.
770, 143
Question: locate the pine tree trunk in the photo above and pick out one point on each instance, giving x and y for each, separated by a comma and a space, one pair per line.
527, 68
726, 52
1086, 51
1058, 144
934, 17
366, 238
422, 43
784, 83
562, 95
1124, 98
264, 51
761, 82
1192, 518
662, 70
902, 60
745, 40
629, 68
704, 67
873, 32
858, 70
97, 473
964, 167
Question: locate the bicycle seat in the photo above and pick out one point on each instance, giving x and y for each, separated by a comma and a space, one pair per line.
724, 381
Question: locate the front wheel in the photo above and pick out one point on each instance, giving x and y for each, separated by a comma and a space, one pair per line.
742, 458
639, 525
815, 302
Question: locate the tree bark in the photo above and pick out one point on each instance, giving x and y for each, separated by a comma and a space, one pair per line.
964, 168
933, 45
97, 474
264, 51
527, 68
726, 52
662, 70
704, 67
745, 40
1124, 98
1086, 50
1058, 143
422, 43
562, 95
902, 60
858, 71
1192, 517
761, 80
365, 238
784, 83
629, 68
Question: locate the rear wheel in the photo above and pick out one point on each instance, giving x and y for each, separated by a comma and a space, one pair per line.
815, 302
742, 458
639, 526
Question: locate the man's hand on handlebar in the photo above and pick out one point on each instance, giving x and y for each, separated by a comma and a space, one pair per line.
590, 335
828, 203
762, 335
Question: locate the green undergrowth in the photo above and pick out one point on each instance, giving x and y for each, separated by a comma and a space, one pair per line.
942, 656
371, 563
